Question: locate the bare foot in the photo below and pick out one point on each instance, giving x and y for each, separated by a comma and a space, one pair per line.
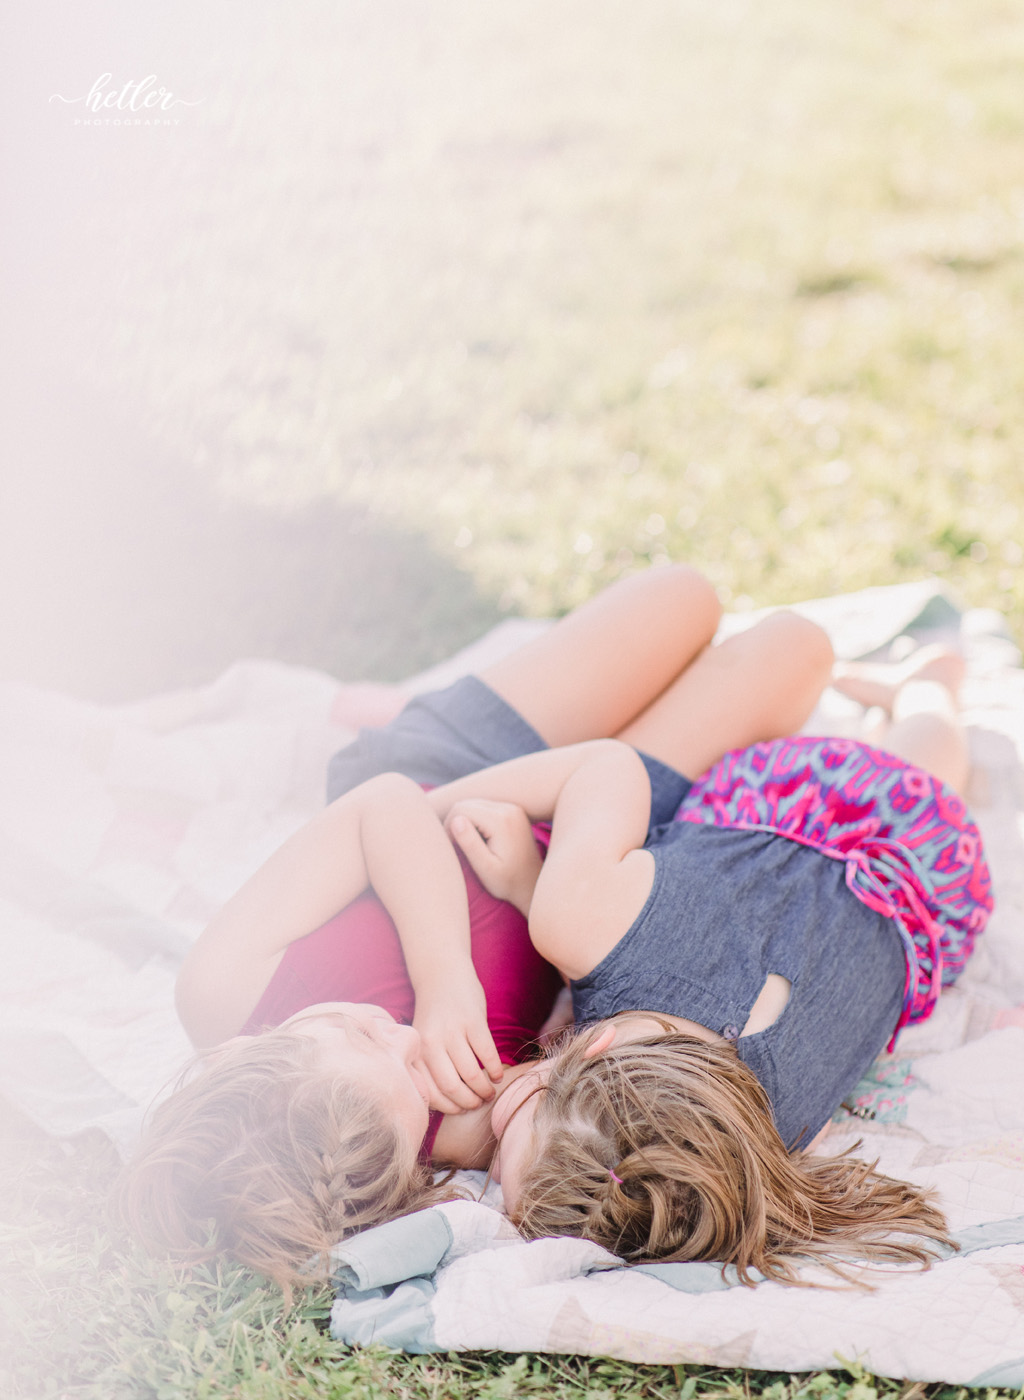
877, 683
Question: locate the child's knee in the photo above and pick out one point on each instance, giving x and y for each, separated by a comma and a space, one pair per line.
802, 643
677, 594
694, 593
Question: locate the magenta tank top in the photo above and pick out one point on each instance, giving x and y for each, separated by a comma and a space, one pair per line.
357, 956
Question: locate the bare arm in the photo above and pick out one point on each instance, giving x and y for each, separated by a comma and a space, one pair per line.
596, 877
533, 782
383, 832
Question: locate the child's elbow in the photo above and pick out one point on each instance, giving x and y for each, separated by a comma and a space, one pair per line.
552, 934
189, 1007
200, 1010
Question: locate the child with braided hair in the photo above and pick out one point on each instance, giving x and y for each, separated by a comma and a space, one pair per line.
356, 1002
359, 999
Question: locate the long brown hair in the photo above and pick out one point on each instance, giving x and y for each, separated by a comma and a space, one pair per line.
260, 1154
664, 1148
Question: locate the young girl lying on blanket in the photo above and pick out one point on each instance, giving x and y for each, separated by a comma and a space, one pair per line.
777, 964
646, 1133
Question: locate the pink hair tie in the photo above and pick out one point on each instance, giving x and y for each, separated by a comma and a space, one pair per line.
615, 1178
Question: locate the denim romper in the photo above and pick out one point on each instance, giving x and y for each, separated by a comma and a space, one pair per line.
727, 907
743, 887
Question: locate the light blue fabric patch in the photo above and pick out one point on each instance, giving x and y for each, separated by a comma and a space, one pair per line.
402, 1317
710, 1278
385, 1295
1008, 1373
409, 1247
991, 1235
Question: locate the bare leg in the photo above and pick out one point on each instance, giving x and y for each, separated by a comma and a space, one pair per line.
600, 666
920, 696
927, 732
761, 684
877, 683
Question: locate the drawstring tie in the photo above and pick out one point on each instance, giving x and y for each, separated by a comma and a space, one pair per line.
874, 867
869, 869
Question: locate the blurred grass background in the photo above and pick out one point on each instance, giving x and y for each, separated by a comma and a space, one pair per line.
430, 313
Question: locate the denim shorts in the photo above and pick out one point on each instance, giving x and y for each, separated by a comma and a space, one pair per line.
445, 734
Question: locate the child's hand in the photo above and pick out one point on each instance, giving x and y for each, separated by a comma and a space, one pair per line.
458, 1049
496, 839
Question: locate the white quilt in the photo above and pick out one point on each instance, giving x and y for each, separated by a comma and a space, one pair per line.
123, 827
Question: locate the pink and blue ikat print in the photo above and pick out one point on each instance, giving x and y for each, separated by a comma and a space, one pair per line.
910, 848
882, 1094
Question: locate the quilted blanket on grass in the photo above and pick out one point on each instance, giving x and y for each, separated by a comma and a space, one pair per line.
123, 827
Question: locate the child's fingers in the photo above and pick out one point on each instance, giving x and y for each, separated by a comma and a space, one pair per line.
441, 1102
489, 818
465, 831
458, 1070
471, 843
473, 1075
483, 1047
452, 1084
445, 1104
455, 1069
435, 1097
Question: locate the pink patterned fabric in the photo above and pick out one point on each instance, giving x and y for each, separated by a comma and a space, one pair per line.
910, 848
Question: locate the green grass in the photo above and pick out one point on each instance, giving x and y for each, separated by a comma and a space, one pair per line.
548, 297
736, 285
432, 313
86, 1316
